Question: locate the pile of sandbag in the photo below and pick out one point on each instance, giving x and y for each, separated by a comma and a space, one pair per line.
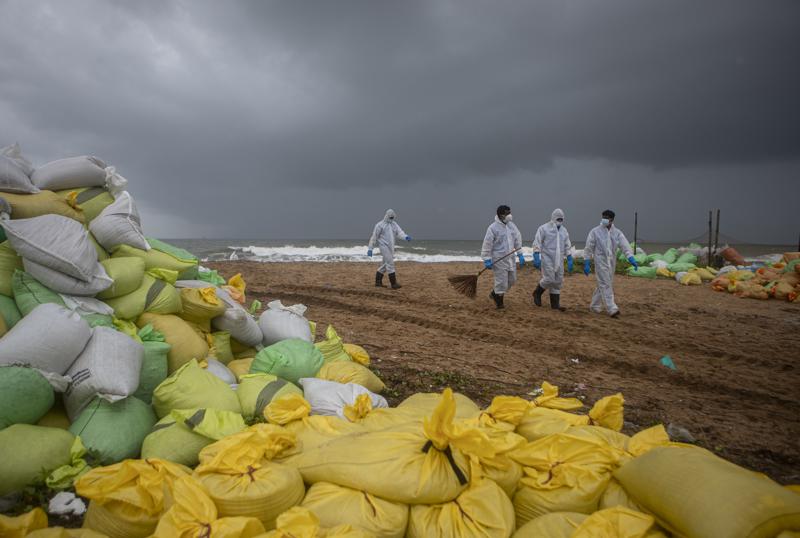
779, 280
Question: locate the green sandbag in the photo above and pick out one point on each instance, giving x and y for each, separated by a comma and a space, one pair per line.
671, 256
642, 272
679, 267
290, 359
641, 259
180, 436
162, 256
256, 391
29, 453
687, 257
154, 296
192, 387
222, 345
114, 431
9, 262
212, 277
99, 320
25, 395
654, 257
155, 366
30, 293
127, 274
101, 252
9, 311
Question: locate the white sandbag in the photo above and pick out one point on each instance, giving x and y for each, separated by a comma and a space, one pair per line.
14, 153
108, 367
220, 370
280, 322
13, 178
679, 275
61, 283
659, 264
726, 269
57, 242
70, 173
49, 338
85, 306
330, 397
119, 224
236, 320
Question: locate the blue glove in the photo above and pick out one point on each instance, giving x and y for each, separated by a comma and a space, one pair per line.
369, 253
408, 238
587, 266
537, 260
487, 264
570, 263
633, 262
521, 259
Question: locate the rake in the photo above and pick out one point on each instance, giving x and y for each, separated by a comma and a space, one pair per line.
468, 284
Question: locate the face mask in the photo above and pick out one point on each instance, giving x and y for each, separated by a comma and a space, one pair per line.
508, 218
391, 218
604, 222
559, 222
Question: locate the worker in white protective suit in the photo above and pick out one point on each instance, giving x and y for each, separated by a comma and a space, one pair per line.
384, 235
502, 238
601, 246
550, 246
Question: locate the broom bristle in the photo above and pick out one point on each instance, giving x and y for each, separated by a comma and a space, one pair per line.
465, 284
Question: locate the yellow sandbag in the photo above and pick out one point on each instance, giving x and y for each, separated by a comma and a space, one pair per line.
19, 526
562, 473
194, 515
152, 296
241, 351
154, 258
56, 417
221, 348
128, 498
482, 510
334, 505
555, 525
193, 387
612, 523
332, 348
550, 399
424, 403
706, 273
300, 522
61, 532
540, 422
286, 408
694, 493
357, 353
351, 372
691, 279
200, 307
664, 272
615, 495
508, 412
313, 431
186, 343
415, 463
241, 478
256, 391
26, 206
91, 200
240, 367
9, 262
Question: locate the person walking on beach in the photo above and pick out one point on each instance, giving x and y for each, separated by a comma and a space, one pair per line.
384, 235
601, 245
550, 246
502, 238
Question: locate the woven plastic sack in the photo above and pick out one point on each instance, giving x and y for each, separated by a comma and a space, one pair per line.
27, 206
691, 279
128, 498
20, 526
154, 364
13, 177
50, 338
222, 347
30, 293
694, 493
331, 398
279, 322
127, 274
357, 353
238, 322
289, 359
119, 224
160, 256
63, 532
9, 262
70, 173
299, 522
56, 417
186, 343
153, 296
29, 453
240, 367
256, 391
642, 272
424, 403
63, 283
99, 426
241, 478
25, 396
332, 348
192, 387
90, 200
482, 510
416, 463
562, 473
200, 306
611, 523
351, 372
287, 408
335, 505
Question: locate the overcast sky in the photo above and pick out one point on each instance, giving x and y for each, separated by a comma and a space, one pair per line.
309, 119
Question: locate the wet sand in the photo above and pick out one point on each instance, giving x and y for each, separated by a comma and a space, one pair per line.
736, 388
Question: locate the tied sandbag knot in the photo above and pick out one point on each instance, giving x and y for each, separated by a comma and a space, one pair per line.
462, 480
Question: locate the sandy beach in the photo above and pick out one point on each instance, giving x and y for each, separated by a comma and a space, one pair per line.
735, 388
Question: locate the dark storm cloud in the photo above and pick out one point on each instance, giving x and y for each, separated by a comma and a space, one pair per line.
287, 118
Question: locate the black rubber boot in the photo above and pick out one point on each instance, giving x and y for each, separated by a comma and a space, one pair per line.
378, 279
537, 295
555, 302
393, 281
498, 299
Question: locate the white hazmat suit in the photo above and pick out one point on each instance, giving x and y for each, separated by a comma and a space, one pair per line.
502, 238
601, 246
384, 235
553, 244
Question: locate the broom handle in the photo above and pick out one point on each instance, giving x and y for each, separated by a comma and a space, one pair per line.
499, 259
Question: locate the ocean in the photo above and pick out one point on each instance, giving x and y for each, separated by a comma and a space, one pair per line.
427, 251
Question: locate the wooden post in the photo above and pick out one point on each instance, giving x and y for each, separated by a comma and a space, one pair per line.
716, 239
635, 232
710, 215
